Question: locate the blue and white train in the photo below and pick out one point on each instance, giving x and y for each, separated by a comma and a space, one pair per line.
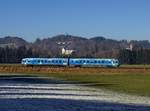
80, 62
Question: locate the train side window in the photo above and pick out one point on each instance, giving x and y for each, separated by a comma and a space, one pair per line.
103, 61
83, 61
88, 61
99, 61
91, 61
60, 61
52, 61
95, 61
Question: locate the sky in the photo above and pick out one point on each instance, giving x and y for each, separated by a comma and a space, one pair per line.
114, 19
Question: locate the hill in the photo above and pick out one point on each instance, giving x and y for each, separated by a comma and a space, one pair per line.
12, 42
93, 47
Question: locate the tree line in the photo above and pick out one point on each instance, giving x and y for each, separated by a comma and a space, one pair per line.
15, 55
140, 56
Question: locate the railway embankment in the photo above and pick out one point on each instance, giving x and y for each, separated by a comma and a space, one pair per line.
86, 70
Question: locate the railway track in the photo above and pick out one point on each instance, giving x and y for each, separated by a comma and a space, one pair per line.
61, 67
87, 70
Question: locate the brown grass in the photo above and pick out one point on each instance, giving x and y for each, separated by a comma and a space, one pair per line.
74, 70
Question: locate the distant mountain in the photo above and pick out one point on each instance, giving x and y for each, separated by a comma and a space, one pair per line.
12, 42
98, 38
66, 38
96, 46
93, 47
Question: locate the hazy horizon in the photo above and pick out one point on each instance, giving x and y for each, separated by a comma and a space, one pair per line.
113, 19
128, 40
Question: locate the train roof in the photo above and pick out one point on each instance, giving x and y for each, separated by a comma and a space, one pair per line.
41, 58
71, 58
94, 58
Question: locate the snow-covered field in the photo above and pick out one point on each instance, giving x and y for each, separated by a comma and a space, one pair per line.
41, 94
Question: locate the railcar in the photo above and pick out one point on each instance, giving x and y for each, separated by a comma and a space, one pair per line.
45, 61
93, 62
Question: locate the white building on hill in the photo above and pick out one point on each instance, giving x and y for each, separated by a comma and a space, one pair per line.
66, 52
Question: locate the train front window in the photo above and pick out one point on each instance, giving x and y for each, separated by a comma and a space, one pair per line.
115, 62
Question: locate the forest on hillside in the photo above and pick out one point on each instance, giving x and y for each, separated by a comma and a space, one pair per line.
9, 55
13, 49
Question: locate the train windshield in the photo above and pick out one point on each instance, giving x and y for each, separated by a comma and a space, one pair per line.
115, 62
